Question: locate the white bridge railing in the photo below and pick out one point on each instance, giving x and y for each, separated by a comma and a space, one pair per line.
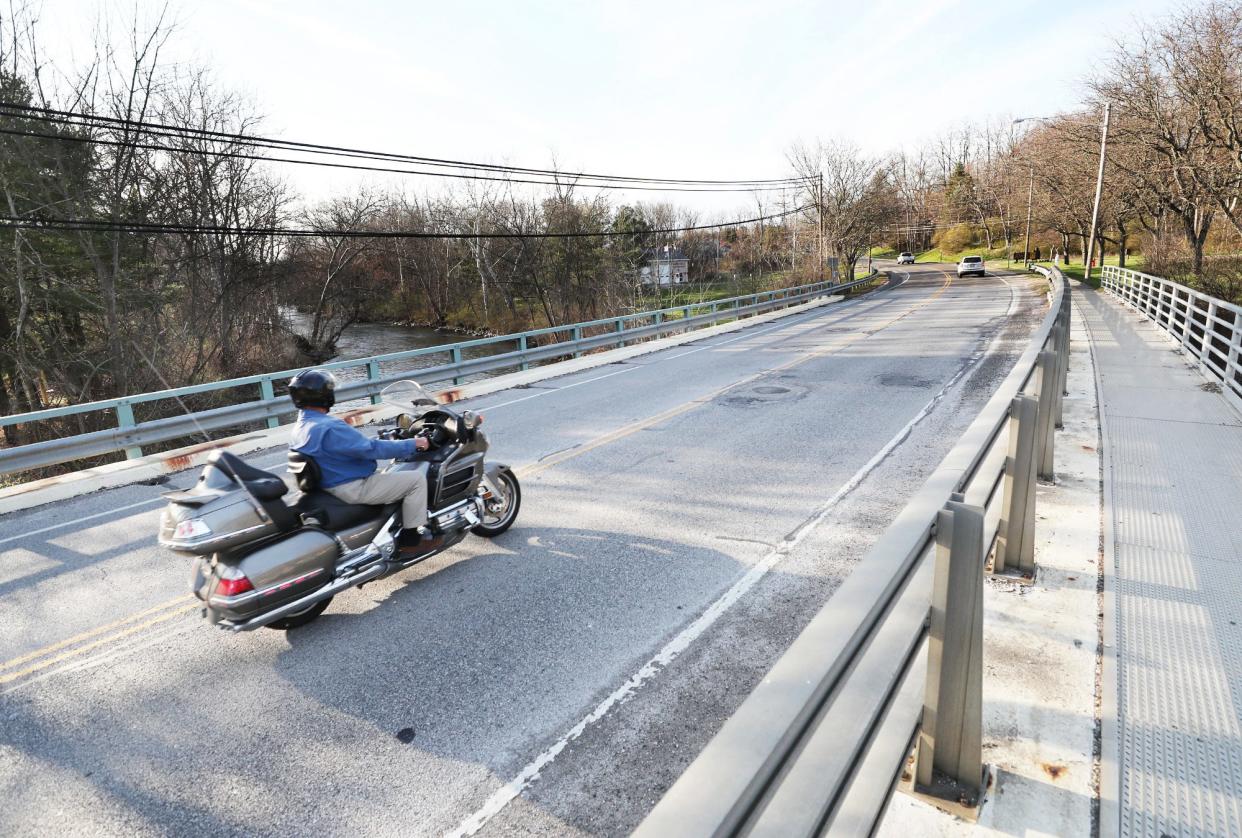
1207, 329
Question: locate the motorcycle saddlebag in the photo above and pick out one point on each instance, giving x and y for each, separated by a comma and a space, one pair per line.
280, 570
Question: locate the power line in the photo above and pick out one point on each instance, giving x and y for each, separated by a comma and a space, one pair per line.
178, 132
236, 155
89, 225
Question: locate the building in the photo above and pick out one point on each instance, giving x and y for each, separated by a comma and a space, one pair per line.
663, 266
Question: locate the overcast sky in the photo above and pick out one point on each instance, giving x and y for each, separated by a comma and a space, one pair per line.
672, 89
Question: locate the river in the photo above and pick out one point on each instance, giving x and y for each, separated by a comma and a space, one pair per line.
363, 340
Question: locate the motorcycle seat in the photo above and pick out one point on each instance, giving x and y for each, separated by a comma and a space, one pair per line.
332, 513
262, 484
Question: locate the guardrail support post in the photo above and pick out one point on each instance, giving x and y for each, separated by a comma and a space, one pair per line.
949, 761
1045, 434
268, 394
373, 374
1015, 548
522, 348
577, 333
125, 419
620, 329
455, 354
1054, 345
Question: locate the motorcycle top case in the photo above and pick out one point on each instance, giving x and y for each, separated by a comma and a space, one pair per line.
230, 519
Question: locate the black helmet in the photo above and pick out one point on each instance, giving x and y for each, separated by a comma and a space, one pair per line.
313, 388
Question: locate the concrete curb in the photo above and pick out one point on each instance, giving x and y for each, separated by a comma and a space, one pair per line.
1109, 790
155, 466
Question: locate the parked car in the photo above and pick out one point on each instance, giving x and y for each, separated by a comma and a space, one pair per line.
905, 258
971, 265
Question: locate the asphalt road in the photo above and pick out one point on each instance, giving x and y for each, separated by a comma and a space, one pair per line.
685, 514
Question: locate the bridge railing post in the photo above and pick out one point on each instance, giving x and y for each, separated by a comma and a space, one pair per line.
1015, 549
373, 374
949, 755
1059, 345
455, 354
125, 419
267, 393
1046, 424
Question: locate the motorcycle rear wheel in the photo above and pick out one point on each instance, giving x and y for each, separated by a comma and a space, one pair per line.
492, 526
301, 618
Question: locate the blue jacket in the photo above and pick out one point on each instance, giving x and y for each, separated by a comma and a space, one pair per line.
343, 453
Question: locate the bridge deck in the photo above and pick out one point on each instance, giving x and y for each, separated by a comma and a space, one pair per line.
1173, 447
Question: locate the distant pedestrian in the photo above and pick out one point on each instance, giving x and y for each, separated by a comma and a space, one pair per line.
1037, 254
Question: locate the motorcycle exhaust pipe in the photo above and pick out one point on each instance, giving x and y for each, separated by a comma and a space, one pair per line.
331, 589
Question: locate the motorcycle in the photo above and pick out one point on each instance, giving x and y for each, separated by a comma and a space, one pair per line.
264, 560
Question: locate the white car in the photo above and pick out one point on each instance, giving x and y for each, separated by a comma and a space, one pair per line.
971, 265
905, 258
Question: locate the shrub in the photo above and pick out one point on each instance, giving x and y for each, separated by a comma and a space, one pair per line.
955, 239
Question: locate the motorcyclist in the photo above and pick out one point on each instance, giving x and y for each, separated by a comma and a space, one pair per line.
346, 458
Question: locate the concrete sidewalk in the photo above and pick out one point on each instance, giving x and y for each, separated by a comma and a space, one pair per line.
1171, 684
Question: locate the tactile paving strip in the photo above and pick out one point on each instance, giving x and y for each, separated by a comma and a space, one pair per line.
1176, 455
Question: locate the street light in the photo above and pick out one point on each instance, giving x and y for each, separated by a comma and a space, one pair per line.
1099, 185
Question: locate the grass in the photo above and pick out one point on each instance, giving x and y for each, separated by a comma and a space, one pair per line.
996, 254
1075, 271
706, 292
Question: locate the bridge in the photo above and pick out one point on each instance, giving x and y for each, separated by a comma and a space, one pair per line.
888, 559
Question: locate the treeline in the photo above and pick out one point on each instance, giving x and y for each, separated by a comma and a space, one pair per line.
493, 258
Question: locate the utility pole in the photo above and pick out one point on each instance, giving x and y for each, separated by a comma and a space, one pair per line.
819, 202
1099, 188
1030, 200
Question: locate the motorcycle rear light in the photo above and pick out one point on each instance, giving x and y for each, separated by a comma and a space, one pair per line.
232, 582
192, 529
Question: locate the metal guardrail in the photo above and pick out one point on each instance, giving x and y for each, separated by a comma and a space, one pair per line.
818, 746
130, 435
1207, 329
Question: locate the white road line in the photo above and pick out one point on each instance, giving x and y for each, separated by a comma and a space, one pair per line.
76, 521
506, 793
555, 389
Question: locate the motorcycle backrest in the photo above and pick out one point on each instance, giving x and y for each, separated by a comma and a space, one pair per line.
305, 471
261, 484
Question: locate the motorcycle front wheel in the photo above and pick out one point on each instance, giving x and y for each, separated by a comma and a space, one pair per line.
500, 513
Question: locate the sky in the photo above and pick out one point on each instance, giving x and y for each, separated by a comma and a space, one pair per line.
716, 89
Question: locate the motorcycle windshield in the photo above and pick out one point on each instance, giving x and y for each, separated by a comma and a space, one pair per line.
408, 397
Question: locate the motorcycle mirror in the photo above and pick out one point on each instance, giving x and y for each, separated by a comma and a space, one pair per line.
405, 421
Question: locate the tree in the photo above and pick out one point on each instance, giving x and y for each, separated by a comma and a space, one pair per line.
846, 190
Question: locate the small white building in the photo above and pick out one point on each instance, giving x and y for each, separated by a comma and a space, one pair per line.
664, 266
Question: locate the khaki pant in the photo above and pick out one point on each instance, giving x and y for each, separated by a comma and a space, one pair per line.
408, 486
